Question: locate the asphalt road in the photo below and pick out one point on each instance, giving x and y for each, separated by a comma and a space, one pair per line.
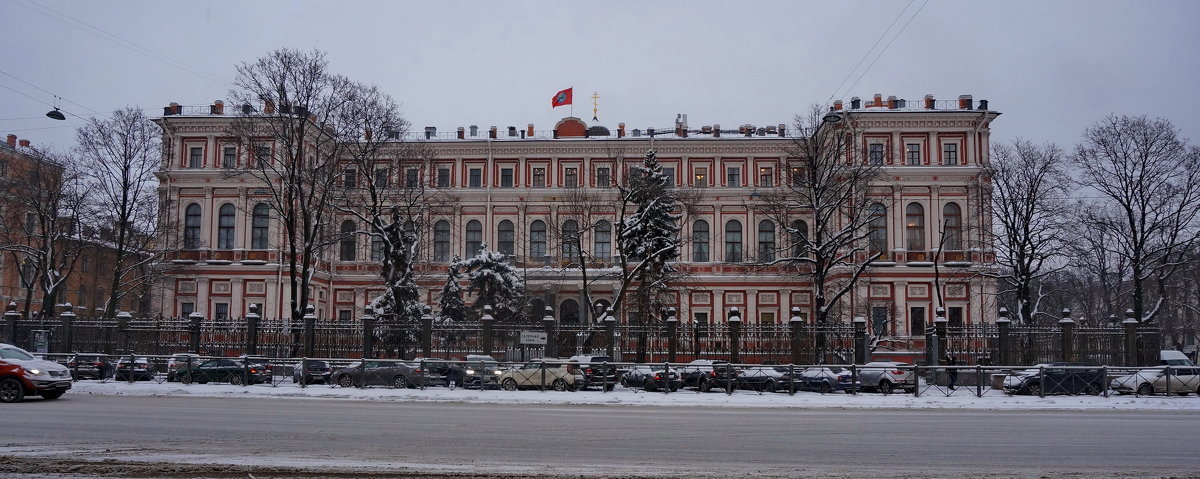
555, 441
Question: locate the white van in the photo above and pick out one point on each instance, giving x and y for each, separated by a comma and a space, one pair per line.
1171, 357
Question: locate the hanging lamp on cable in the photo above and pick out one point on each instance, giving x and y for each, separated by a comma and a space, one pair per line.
56, 114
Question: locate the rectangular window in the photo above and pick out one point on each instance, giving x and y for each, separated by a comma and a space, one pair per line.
195, 156
506, 177
443, 177
912, 153
701, 178
602, 177
879, 321
229, 157
733, 177
954, 318
3, 169
187, 308
875, 153
475, 178
766, 177
797, 174
221, 311
381, 178
343, 315
262, 156
411, 178
950, 154
350, 179
571, 177
916, 321
766, 318
539, 177
670, 174
31, 221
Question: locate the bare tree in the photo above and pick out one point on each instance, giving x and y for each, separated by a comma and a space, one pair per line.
823, 205
302, 105
120, 156
1030, 212
1150, 177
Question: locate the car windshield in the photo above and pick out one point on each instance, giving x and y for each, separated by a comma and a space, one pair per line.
15, 353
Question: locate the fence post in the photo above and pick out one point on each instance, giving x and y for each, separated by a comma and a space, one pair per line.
735, 335
1003, 323
548, 325
1131, 353
68, 324
796, 322
610, 329
939, 328
427, 332
368, 323
672, 337
194, 331
310, 330
123, 318
10, 318
860, 340
486, 322
1066, 327
252, 318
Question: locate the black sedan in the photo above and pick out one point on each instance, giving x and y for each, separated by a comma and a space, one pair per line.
311, 372
652, 378
232, 371
374, 372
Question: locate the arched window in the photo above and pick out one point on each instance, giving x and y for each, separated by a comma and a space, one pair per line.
410, 231
474, 237
441, 241
225, 222
537, 240
348, 242
260, 227
376, 249
799, 233
766, 241
191, 227
506, 238
700, 241
914, 227
733, 241
570, 240
877, 229
568, 311
603, 240
952, 216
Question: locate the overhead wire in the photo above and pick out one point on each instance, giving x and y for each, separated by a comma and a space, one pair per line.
885, 48
869, 50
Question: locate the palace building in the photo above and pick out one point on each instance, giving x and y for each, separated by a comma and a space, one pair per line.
517, 190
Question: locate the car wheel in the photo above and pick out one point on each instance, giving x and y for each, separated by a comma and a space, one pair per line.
236, 379
769, 387
346, 381
826, 388
51, 395
1092, 390
885, 387
509, 384
400, 382
705, 386
11, 390
1035, 389
559, 385
185, 378
1145, 390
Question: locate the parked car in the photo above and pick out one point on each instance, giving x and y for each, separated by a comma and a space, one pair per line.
232, 371
596, 373
1056, 378
1171, 357
826, 379
378, 372
704, 374
139, 369
1145, 382
21, 374
179, 360
90, 366
887, 376
764, 378
311, 372
652, 378
540, 373
261, 362
481, 371
441, 372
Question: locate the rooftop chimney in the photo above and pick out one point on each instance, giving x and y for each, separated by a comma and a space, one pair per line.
965, 102
855, 103
430, 132
269, 107
782, 130
474, 130
172, 109
878, 100
492, 132
12, 141
891, 104
716, 130
217, 108
621, 130
24, 143
529, 130
983, 104
512, 131
837, 105
929, 102
461, 133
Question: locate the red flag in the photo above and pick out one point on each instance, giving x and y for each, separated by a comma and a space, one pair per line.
561, 98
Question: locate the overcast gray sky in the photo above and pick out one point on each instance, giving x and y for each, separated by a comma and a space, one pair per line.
1052, 68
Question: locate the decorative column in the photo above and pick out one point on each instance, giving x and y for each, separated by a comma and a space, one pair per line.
310, 330
123, 318
860, 340
368, 324
610, 329
796, 322
938, 348
487, 321
1131, 346
194, 331
1003, 324
252, 319
10, 318
548, 324
1066, 327
672, 335
735, 335
68, 324
426, 331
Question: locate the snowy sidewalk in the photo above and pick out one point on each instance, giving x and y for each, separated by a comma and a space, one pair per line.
930, 399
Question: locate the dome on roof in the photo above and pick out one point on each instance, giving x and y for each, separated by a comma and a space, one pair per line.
598, 131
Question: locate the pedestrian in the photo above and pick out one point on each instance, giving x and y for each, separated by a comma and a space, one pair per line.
953, 373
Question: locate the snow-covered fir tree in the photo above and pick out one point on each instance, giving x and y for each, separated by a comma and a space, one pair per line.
399, 307
451, 307
494, 281
650, 236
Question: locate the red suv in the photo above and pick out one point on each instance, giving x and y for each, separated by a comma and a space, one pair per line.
22, 374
